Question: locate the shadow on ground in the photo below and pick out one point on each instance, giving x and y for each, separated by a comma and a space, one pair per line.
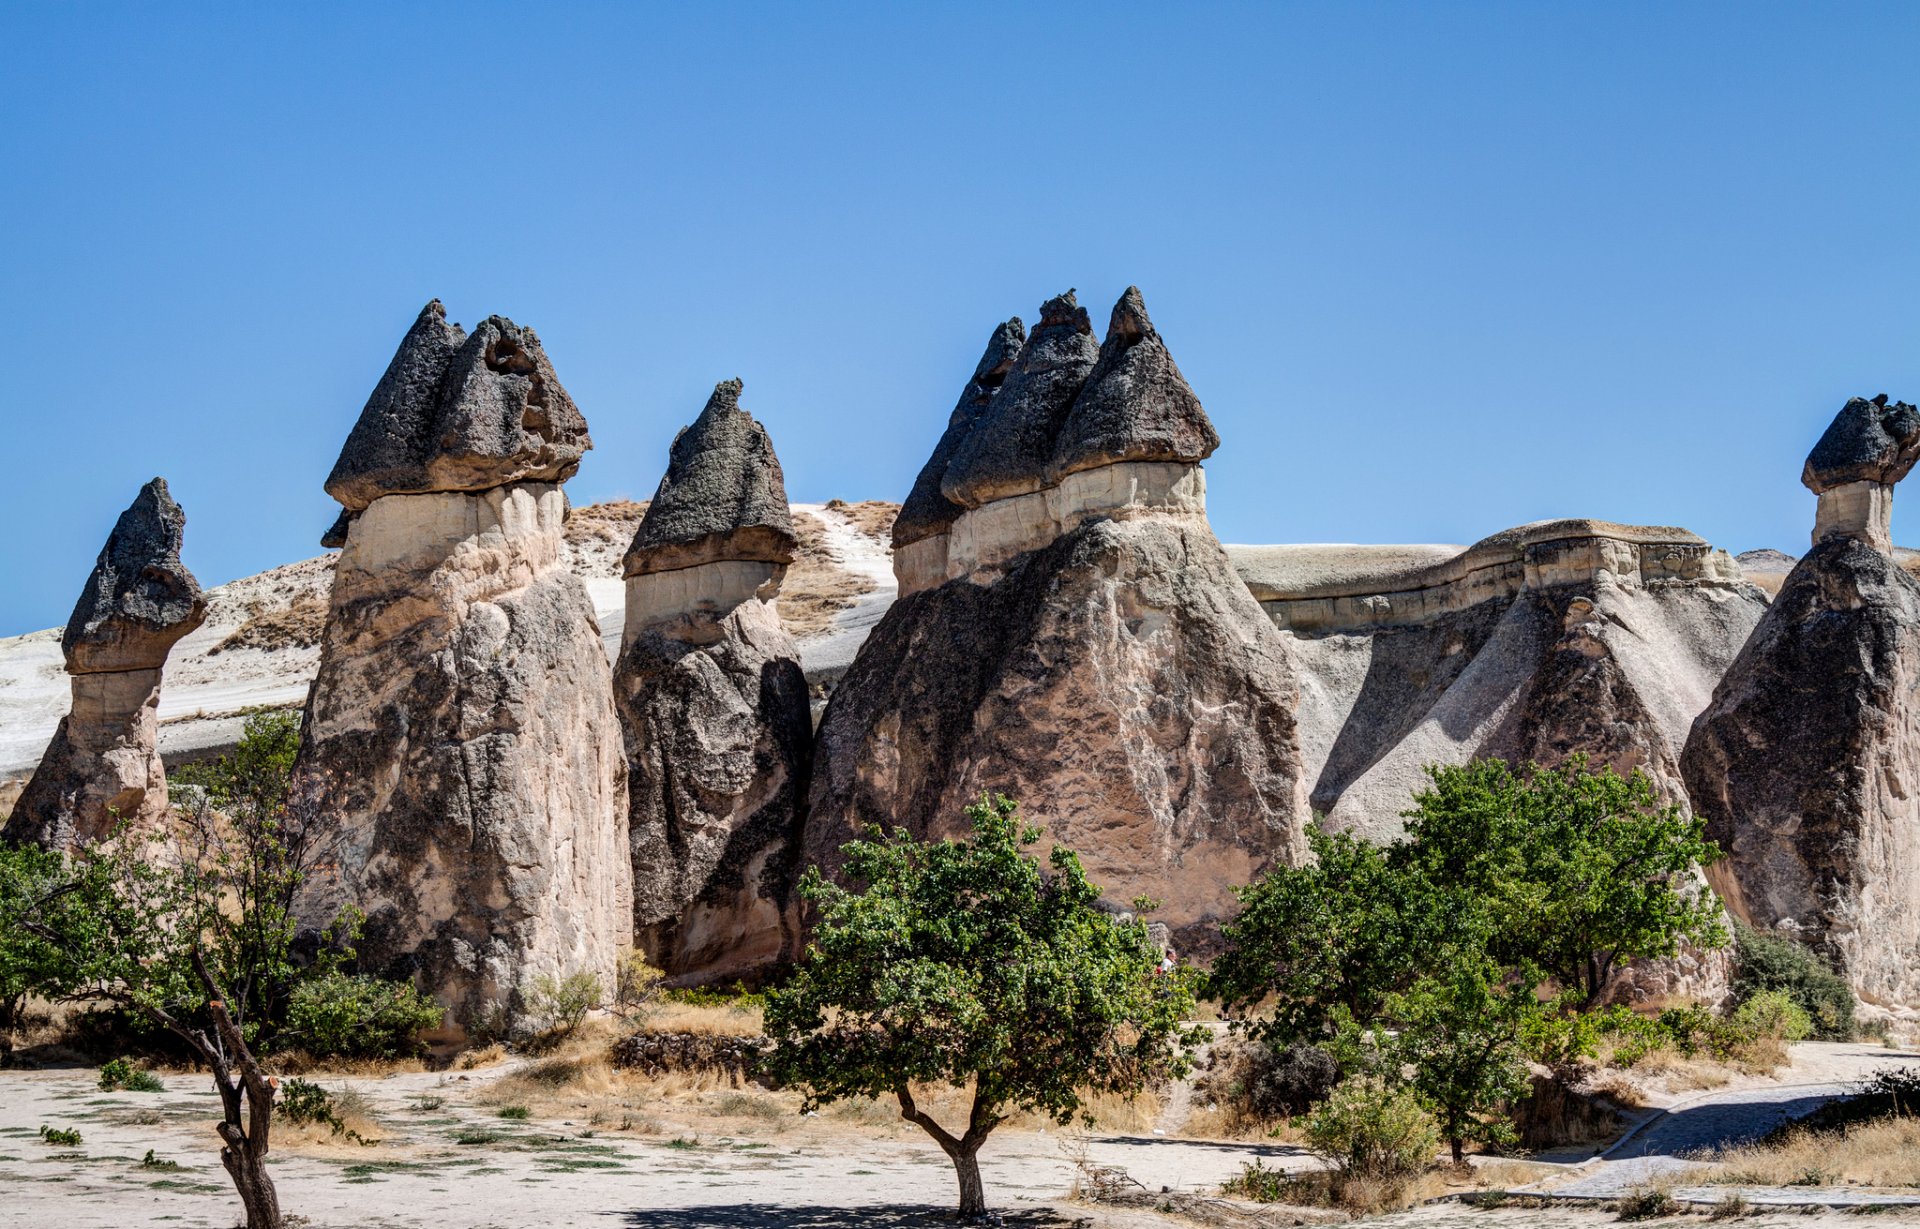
763, 1216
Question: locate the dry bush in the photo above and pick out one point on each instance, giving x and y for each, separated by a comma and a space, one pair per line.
817, 587
1881, 1153
485, 1056
297, 625
723, 1020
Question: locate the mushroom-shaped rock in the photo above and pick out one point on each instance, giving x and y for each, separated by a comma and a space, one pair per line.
1011, 445
723, 496
714, 707
1869, 446
1136, 406
140, 598
103, 765
926, 511
459, 412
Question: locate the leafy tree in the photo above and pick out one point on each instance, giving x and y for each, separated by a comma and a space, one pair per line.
966, 962
1769, 960
1583, 871
1331, 941
29, 876
1460, 1032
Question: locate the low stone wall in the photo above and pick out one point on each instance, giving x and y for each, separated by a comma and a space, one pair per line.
658, 1053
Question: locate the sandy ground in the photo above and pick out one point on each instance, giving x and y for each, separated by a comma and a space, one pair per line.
446, 1159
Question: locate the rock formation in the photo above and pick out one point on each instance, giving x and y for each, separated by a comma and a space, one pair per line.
1805, 761
461, 734
714, 706
1083, 643
103, 766
1538, 642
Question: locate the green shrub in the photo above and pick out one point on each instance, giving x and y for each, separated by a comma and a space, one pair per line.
563, 1002
122, 1073
1259, 1184
302, 1102
1367, 1128
355, 1016
517, 1113
1772, 961
1773, 1014
60, 1138
636, 987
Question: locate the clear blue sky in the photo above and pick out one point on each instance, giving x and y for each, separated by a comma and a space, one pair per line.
1434, 269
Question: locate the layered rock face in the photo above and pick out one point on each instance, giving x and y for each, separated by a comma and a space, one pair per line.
1538, 642
714, 707
103, 766
1076, 638
461, 735
1804, 762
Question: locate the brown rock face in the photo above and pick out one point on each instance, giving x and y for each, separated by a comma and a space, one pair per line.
461, 732
714, 707
103, 765
1078, 640
1805, 761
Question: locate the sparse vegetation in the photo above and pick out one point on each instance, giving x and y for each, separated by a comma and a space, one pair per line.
1772, 961
122, 1074
60, 1137
562, 1003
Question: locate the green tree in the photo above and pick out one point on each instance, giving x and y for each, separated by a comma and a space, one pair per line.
1330, 941
1582, 871
28, 964
964, 962
1459, 1031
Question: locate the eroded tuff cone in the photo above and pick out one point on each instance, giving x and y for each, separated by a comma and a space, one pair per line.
140, 597
723, 496
461, 738
1868, 447
1011, 445
1136, 406
926, 511
461, 413
103, 766
1804, 764
714, 707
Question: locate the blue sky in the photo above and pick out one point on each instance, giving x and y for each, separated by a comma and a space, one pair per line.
1434, 269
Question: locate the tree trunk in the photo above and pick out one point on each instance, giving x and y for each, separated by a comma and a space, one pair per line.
1459, 1152
973, 1192
247, 1166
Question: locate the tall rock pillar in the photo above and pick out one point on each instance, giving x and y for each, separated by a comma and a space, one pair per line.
1807, 761
460, 734
103, 765
714, 706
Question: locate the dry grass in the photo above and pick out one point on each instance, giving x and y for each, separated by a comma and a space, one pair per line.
872, 517
1882, 1153
300, 1063
486, 1056
294, 626
359, 1127
611, 523
816, 587
730, 1020
1504, 1175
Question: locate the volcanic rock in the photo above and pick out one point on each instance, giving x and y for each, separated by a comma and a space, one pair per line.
1868, 447
460, 736
714, 707
460, 413
1804, 762
1136, 406
103, 766
1088, 651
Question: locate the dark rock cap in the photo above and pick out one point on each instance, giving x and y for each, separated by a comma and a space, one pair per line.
1011, 444
926, 511
1136, 406
140, 597
1868, 441
336, 535
723, 496
461, 413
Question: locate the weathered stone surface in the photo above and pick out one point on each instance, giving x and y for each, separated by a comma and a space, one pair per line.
723, 496
103, 765
1118, 681
1135, 406
461, 740
926, 512
1805, 761
718, 740
1011, 445
1867, 441
139, 598
461, 413
714, 707
336, 535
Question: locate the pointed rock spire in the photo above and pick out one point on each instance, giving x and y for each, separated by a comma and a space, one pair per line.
1136, 406
139, 598
723, 496
926, 511
461, 413
1868, 441
1010, 445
